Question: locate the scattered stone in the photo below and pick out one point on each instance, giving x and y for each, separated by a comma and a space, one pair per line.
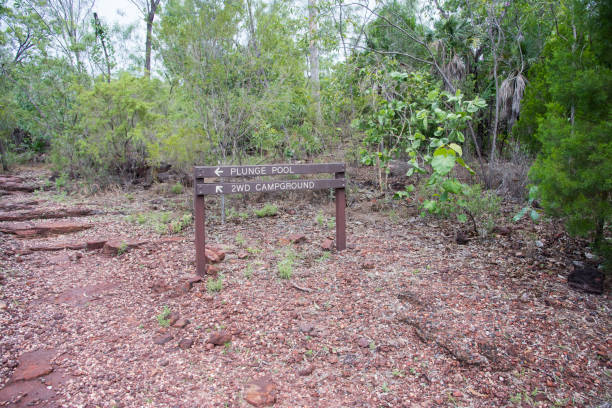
461, 238
33, 214
367, 265
220, 338
164, 363
261, 392
327, 244
33, 365
306, 327
212, 269
502, 230
307, 370
588, 279
292, 239
363, 342
539, 244
181, 323
214, 255
194, 279
119, 246
31, 230
173, 318
3, 306
243, 255
185, 343
159, 287
163, 339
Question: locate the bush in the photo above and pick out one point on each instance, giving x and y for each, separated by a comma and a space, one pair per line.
115, 131
268, 210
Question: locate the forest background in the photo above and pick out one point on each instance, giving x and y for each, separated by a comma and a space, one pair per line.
470, 99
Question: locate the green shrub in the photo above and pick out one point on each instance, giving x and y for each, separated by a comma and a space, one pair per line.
177, 188
268, 210
215, 285
163, 317
285, 265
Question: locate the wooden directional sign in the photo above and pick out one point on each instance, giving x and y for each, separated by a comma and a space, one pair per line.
202, 188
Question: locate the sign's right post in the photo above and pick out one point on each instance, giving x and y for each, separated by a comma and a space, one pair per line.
340, 197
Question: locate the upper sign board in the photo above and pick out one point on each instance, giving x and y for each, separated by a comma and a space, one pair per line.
267, 170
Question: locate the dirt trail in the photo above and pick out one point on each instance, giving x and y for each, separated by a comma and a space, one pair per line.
112, 315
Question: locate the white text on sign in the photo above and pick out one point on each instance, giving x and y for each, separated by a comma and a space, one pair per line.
273, 186
260, 171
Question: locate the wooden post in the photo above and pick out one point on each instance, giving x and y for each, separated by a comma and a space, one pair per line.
199, 206
340, 215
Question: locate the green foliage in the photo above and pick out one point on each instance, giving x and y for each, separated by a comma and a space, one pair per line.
163, 317
115, 133
268, 210
285, 265
177, 188
162, 222
215, 285
574, 165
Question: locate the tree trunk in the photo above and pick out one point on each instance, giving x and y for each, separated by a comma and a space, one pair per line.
314, 62
147, 64
101, 34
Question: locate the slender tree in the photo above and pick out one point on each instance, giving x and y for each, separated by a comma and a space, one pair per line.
148, 8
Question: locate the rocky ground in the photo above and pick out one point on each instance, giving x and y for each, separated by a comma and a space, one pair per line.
100, 307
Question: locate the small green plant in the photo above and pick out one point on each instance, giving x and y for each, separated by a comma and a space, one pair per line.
163, 317
61, 182
254, 251
372, 346
248, 272
533, 214
177, 188
268, 210
285, 265
215, 285
309, 353
324, 257
320, 219
180, 224
331, 224
129, 196
240, 239
385, 388
398, 373
123, 247
232, 214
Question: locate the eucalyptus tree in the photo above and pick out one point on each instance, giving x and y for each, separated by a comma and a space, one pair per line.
148, 9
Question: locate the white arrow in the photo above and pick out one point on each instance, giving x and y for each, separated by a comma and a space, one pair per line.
218, 189
218, 172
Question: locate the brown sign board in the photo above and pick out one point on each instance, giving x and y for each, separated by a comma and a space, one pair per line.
267, 186
204, 187
267, 170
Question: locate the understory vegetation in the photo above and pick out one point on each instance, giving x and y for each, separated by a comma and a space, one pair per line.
474, 99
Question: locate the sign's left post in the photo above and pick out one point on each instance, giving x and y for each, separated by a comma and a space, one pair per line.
199, 207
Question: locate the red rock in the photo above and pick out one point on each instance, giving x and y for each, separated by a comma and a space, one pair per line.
292, 239
306, 327
181, 323
163, 339
117, 246
457, 394
307, 370
243, 255
212, 269
327, 245
220, 338
30, 229
185, 343
363, 342
60, 246
261, 392
33, 365
96, 244
173, 318
32, 214
367, 265
214, 255
159, 287
14, 185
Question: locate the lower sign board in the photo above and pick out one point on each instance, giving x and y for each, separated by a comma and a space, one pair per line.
203, 188
267, 186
